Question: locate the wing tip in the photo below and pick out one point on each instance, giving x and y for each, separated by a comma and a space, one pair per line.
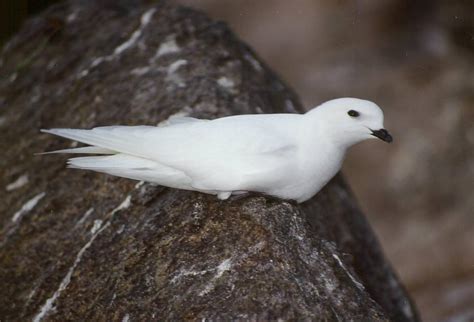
44, 153
55, 131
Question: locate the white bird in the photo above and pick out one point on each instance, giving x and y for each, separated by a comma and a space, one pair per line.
289, 156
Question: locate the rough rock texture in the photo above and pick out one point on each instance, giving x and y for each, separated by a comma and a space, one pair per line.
81, 245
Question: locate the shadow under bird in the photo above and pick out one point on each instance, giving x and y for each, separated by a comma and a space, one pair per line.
289, 156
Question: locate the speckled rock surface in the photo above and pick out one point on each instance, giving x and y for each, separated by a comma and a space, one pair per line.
78, 245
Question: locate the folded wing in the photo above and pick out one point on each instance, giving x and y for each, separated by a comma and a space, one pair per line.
227, 154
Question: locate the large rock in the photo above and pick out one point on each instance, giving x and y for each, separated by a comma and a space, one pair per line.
78, 245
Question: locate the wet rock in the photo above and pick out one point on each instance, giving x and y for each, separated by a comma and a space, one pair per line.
76, 245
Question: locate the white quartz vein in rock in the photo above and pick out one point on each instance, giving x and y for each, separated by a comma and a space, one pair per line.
168, 47
96, 230
227, 264
223, 267
96, 226
172, 75
48, 305
130, 42
124, 205
144, 21
357, 283
18, 183
85, 216
226, 82
10, 228
27, 207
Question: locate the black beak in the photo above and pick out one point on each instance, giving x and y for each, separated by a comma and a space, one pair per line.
383, 135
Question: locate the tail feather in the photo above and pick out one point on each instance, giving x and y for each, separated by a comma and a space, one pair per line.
131, 167
116, 138
116, 161
84, 150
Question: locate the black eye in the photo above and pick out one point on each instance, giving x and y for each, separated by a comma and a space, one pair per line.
353, 113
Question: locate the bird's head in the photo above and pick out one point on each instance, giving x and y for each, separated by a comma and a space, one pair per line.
351, 120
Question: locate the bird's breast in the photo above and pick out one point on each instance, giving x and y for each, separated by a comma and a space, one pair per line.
316, 167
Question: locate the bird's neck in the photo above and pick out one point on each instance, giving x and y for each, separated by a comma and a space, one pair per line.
325, 147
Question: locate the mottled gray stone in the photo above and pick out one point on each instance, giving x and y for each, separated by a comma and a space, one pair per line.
77, 245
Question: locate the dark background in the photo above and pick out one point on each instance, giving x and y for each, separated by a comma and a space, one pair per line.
413, 58
14, 12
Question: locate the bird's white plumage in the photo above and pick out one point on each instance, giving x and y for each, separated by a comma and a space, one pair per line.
287, 155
